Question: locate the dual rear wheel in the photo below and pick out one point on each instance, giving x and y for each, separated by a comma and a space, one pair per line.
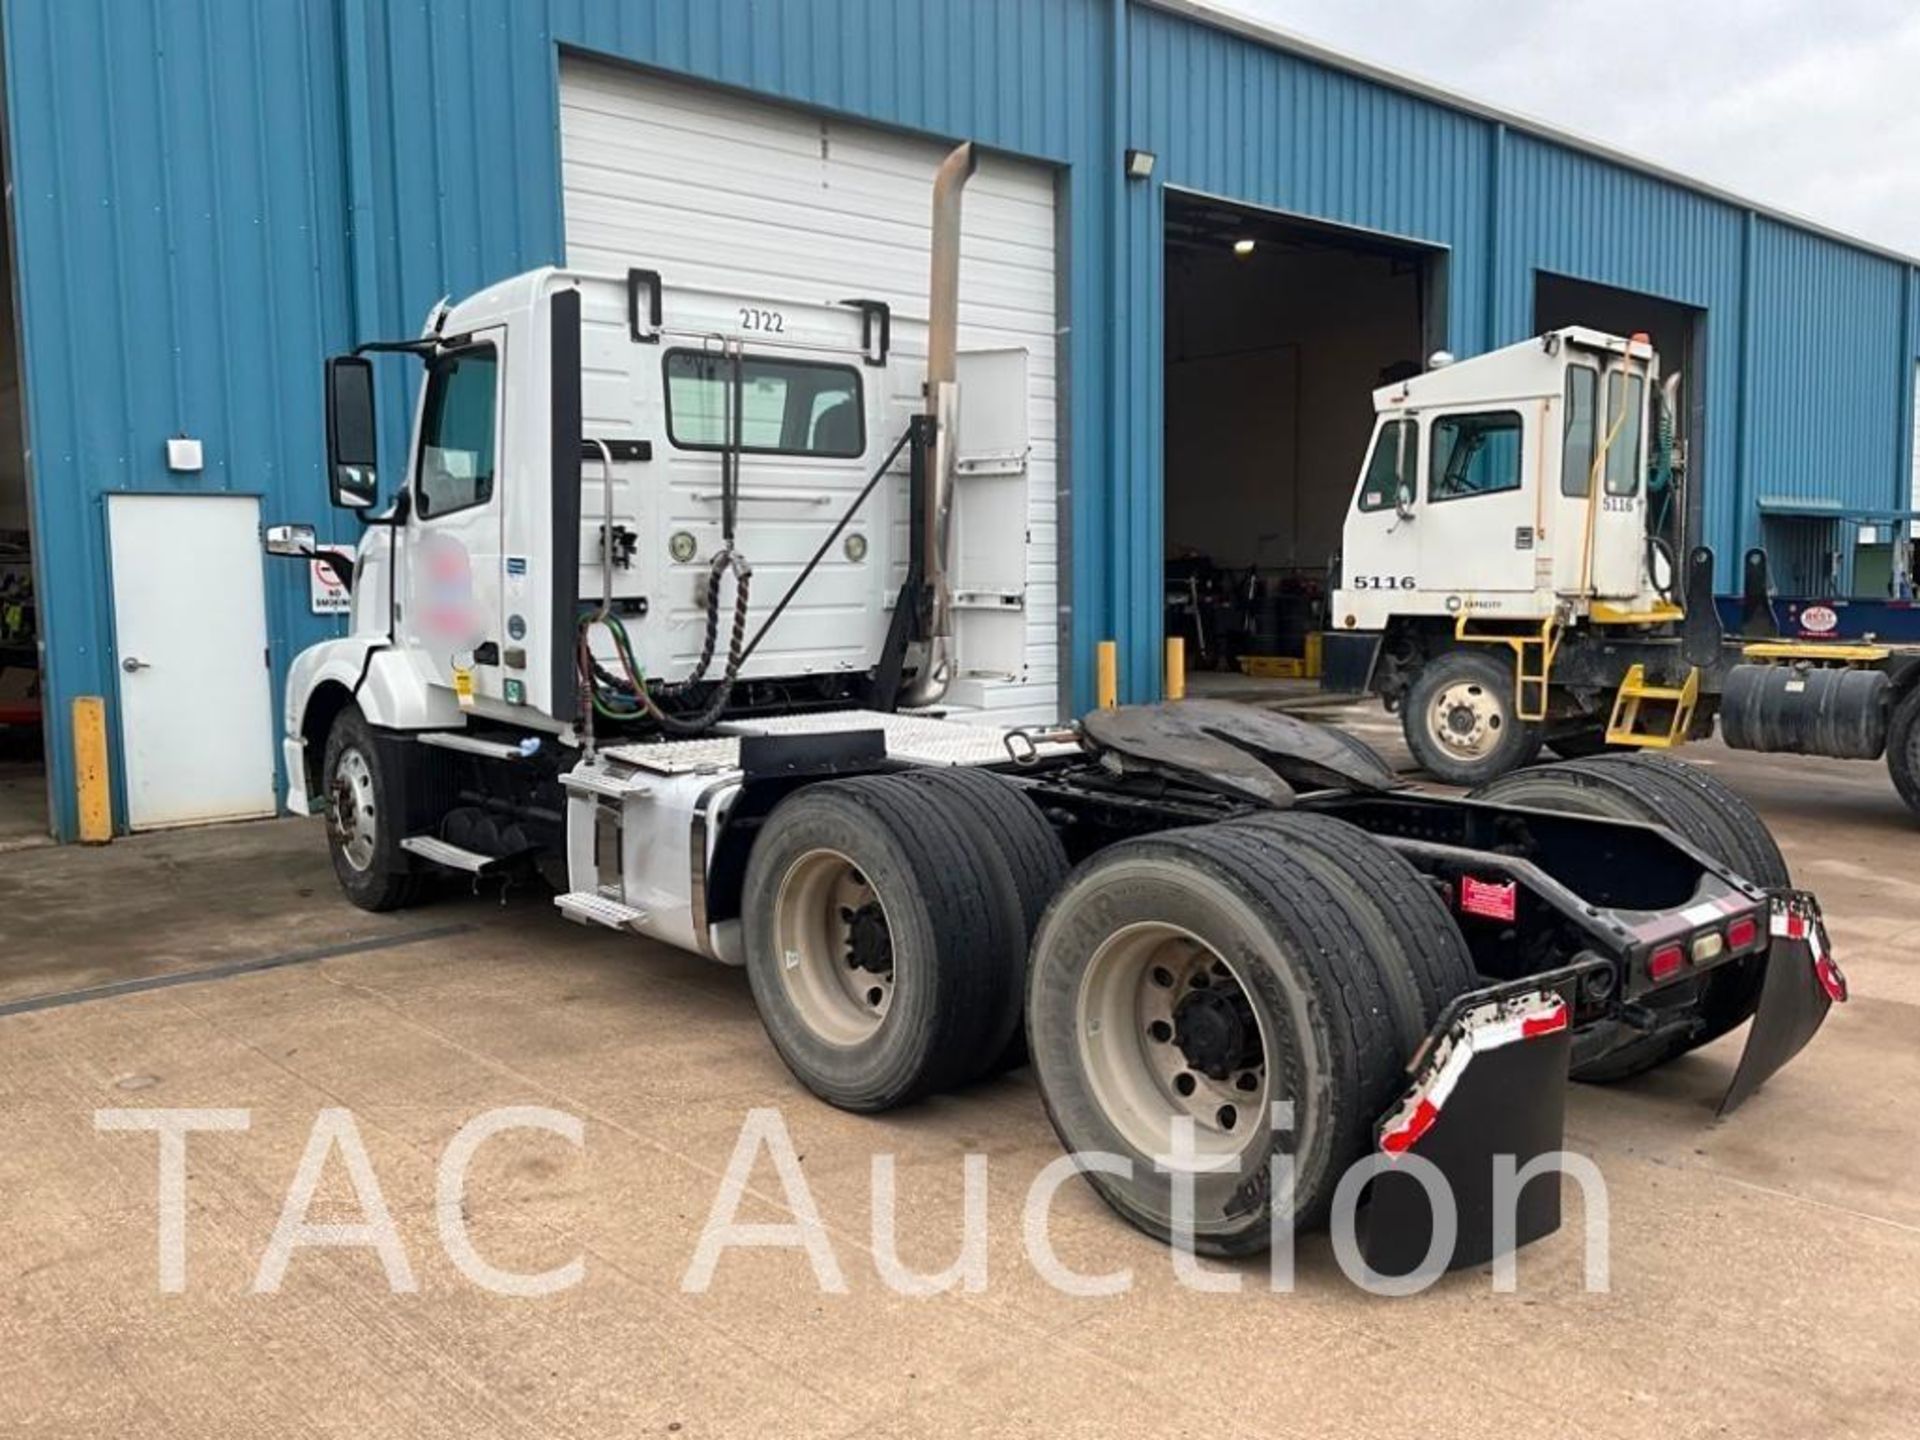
1195, 1001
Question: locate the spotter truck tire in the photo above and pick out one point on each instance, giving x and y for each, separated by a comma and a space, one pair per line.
883, 945
1459, 720
362, 805
1903, 749
1208, 974
1702, 811
1009, 828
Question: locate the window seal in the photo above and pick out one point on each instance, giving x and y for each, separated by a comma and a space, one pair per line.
747, 358
1520, 479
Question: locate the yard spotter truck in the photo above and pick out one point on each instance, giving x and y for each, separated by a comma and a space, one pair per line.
665, 612
1515, 573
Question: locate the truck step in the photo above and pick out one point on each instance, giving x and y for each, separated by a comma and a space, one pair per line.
469, 744
604, 783
586, 907
436, 851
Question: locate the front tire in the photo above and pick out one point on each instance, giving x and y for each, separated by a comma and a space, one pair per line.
365, 817
1460, 723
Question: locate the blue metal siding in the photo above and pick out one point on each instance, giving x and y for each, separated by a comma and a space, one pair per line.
211, 194
182, 265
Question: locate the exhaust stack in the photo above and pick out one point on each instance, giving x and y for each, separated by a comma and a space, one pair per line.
942, 408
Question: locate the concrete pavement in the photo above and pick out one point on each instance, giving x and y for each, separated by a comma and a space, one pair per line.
1762, 1268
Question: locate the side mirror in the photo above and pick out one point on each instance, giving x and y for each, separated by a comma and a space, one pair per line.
353, 476
1403, 502
290, 540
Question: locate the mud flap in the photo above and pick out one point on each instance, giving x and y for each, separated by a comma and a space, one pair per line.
1801, 984
1490, 1082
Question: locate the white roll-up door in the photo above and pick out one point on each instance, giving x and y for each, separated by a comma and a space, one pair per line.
716, 190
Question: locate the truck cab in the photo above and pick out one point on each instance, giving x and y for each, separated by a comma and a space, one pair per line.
1510, 486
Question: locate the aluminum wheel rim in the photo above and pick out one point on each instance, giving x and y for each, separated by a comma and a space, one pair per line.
824, 919
1466, 718
351, 814
1129, 1030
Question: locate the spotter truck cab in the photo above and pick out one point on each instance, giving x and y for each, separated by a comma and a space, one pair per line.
1516, 572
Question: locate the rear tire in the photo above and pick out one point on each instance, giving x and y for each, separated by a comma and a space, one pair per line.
1031, 865
362, 804
1903, 749
1700, 810
1459, 719
1208, 974
883, 946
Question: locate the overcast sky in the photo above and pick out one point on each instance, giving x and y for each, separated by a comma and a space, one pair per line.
1808, 105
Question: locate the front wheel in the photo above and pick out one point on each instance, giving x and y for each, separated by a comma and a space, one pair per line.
364, 819
1460, 722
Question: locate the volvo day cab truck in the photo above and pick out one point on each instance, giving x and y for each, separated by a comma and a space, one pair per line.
1515, 573
666, 609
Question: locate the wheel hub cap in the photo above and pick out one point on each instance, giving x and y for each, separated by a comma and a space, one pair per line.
352, 824
1466, 718
1216, 1032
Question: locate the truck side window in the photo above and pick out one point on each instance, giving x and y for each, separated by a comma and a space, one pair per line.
456, 433
787, 407
1474, 455
1576, 436
1623, 455
1395, 461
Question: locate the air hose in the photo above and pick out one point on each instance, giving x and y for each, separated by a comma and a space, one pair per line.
625, 697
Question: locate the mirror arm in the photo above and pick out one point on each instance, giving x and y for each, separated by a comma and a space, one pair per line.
396, 514
341, 567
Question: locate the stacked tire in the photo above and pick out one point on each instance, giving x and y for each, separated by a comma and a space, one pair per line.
1657, 790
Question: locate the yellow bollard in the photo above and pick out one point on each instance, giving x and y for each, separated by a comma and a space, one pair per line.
90, 769
1107, 674
1176, 667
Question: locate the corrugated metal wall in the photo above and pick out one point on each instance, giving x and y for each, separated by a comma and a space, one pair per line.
211, 194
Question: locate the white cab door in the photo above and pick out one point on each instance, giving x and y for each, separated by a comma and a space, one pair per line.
1477, 518
190, 636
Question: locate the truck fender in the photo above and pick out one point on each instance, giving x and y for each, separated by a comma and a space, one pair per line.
327, 677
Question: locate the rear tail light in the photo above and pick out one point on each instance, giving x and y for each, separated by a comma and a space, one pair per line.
1742, 932
1666, 962
1708, 947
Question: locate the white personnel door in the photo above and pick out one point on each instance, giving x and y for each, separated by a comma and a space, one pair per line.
713, 189
190, 637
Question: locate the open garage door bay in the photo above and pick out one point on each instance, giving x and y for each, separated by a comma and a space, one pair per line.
711, 189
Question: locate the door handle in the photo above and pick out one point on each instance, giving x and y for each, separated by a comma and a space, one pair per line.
133, 663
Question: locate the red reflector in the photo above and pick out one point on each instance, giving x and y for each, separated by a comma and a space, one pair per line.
1830, 978
1665, 962
1742, 932
1421, 1121
1554, 1019
1488, 898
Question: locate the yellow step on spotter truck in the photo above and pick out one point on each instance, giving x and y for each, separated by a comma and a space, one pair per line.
1515, 574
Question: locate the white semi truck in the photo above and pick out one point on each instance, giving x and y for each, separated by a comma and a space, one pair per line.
662, 611
1514, 572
